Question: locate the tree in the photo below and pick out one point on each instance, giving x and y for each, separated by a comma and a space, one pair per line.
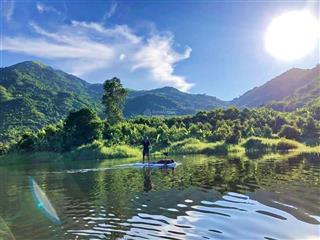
113, 99
81, 127
310, 129
278, 123
290, 132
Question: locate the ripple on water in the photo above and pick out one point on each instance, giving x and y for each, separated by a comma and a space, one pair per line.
232, 217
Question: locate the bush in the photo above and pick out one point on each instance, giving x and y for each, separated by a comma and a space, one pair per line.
254, 143
219, 148
290, 132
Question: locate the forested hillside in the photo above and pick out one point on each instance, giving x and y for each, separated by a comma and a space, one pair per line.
297, 87
305, 96
33, 95
169, 101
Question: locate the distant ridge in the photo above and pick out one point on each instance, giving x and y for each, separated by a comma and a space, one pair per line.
281, 88
169, 101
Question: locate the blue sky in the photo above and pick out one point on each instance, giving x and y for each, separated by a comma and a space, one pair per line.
211, 47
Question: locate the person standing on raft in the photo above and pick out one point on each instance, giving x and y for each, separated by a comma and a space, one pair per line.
146, 149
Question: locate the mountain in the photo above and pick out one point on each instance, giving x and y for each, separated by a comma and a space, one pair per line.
296, 85
33, 95
168, 101
305, 96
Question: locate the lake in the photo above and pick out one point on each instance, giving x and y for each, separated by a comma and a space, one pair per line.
205, 197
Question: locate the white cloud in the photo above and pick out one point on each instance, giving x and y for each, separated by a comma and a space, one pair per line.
7, 9
111, 11
159, 57
82, 48
42, 8
81, 54
117, 31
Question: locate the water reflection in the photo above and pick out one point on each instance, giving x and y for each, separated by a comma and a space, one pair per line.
147, 183
204, 197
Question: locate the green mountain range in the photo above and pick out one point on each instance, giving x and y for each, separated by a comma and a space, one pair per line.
169, 101
33, 94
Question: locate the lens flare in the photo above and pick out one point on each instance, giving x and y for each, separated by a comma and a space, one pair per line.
42, 202
292, 35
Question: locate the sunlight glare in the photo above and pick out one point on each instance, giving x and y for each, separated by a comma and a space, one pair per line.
292, 35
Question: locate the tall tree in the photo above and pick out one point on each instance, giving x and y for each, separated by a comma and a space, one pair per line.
113, 99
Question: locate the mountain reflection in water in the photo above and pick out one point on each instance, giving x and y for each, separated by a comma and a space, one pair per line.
203, 198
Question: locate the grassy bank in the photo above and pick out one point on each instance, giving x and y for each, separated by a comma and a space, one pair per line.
253, 148
92, 151
99, 150
250, 145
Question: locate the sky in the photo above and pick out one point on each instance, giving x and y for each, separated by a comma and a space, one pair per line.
205, 46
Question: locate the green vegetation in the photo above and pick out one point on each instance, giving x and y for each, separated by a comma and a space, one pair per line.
113, 100
169, 101
252, 144
264, 144
33, 95
83, 134
100, 150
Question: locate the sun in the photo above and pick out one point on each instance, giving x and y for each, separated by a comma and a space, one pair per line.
292, 35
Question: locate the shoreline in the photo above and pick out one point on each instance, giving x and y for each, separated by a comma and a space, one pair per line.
251, 148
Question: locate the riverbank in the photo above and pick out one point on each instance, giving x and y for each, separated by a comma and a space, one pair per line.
249, 145
253, 148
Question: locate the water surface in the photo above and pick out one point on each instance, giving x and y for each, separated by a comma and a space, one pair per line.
203, 198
